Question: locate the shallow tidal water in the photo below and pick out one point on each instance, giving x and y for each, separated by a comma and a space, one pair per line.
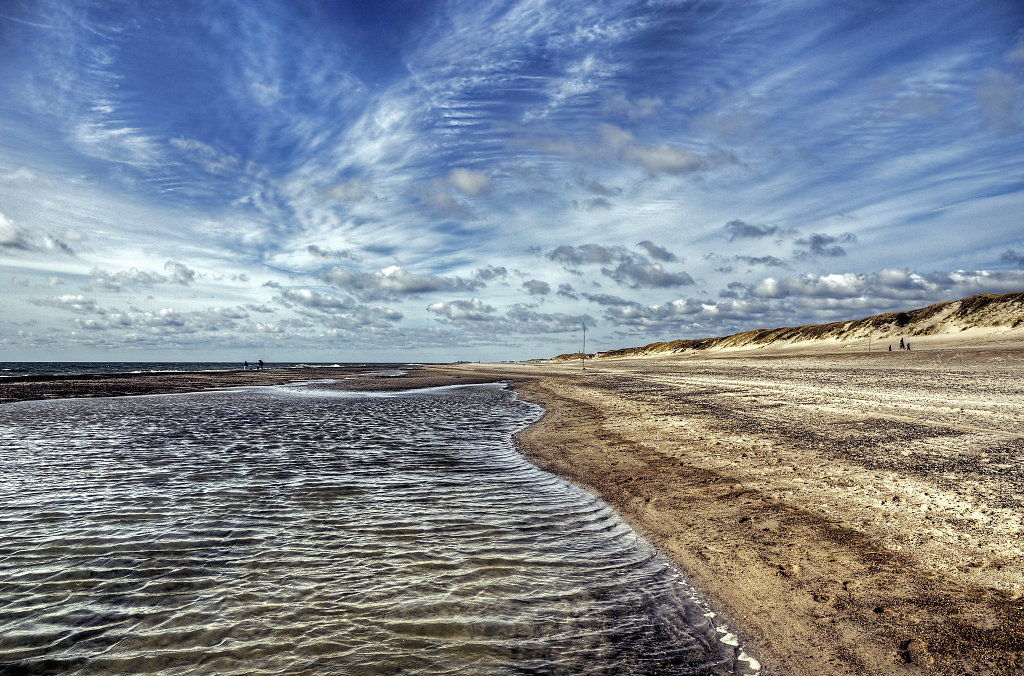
297, 531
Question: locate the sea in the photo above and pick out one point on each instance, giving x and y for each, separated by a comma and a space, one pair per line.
301, 530
49, 368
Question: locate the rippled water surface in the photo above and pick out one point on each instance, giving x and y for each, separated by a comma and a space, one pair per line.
278, 530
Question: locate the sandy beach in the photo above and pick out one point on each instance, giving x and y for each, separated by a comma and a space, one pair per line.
848, 513
851, 513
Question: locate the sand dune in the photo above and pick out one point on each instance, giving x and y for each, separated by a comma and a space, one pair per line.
976, 320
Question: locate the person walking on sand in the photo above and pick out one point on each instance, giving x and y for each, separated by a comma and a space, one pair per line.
261, 364
245, 366
901, 343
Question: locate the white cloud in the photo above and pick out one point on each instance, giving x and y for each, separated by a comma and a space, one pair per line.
686, 314
470, 182
663, 159
347, 311
393, 281
462, 310
658, 159
178, 273
75, 303
639, 275
535, 287
15, 237
317, 301
889, 286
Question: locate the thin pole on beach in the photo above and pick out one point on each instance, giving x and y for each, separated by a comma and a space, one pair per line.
583, 354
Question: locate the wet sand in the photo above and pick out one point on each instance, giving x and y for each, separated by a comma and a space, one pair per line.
848, 513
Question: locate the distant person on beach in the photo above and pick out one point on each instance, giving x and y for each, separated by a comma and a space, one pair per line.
245, 366
901, 343
890, 347
261, 364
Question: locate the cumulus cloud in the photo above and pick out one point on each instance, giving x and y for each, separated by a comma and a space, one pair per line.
315, 300
646, 276
656, 252
393, 282
491, 273
737, 229
885, 286
179, 273
474, 310
346, 312
688, 313
631, 269
770, 261
825, 245
586, 253
473, 183
479, 317
535, 287
607, 299
15, 237
664, 159
166, 321
1013, 257
443, 194
74, 303
658, 159
116, 281
566, 291
846, 285
328, 253
524, 319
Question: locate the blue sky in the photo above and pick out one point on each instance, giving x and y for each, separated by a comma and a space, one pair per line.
415, 180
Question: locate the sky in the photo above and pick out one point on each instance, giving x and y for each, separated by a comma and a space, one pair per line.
418, 180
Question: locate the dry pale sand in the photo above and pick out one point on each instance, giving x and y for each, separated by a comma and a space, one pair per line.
853, 513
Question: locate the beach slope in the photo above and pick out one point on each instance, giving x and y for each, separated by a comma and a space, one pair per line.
851, 512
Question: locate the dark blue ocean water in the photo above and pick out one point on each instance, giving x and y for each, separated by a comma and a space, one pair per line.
48, 368
290, 531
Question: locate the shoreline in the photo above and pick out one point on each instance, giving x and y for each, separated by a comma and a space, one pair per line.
835, 531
